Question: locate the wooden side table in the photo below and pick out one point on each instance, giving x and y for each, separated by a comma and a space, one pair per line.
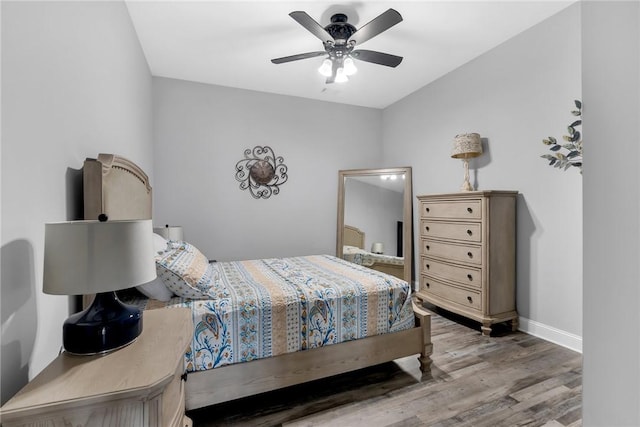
138, 385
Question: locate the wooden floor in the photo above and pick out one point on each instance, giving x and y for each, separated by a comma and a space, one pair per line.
508, 379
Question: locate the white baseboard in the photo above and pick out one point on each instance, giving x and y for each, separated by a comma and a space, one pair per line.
549, 333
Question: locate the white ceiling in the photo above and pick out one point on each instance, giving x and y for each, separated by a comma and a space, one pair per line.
231, 43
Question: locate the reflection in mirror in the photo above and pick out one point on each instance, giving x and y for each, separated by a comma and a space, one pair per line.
374, 219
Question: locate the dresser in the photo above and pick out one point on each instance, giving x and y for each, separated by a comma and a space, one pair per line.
467, 255
138, 385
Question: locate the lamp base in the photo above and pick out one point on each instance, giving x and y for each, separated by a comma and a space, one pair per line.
106, 325
466, 185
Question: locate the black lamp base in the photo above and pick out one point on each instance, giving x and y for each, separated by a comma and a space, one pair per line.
106, 325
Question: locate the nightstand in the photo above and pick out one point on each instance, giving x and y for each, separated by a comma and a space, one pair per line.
138, 385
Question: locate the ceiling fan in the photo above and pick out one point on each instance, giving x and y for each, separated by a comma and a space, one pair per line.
340, 38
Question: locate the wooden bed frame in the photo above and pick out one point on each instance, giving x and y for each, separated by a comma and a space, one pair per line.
117, 187
353, 236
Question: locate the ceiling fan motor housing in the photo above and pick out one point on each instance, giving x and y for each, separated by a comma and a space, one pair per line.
339, 28
341, 31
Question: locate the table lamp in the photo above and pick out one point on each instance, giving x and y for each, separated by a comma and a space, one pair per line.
170, 232
465, 147
98, 257
377, 248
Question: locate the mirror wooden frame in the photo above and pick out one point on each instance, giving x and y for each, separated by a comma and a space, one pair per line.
407, 235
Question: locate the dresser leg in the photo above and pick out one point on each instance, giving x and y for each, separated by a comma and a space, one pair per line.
486, 328
514, 324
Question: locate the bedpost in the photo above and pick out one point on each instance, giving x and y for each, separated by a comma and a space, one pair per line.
423, 319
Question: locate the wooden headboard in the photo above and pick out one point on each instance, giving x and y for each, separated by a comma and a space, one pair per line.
116, 187
353, 236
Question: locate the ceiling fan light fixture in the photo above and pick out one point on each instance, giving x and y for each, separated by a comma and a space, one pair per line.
326, 68
349, 67
339, 39
341, 76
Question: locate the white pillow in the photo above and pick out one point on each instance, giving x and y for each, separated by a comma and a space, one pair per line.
156, 288
159, 244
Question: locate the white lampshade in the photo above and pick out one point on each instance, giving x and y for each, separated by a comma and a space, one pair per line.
326, 68
341, 76
377, 248
170, 232
88, 257
349, 67
466, 146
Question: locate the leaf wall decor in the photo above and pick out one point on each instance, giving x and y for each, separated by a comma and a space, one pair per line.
572, 145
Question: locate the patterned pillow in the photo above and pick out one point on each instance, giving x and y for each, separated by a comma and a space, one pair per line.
187, 272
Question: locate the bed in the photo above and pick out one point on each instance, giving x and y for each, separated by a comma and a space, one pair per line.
353, 251
338, 333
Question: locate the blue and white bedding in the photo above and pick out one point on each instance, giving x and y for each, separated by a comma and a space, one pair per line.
268, 307
362, 257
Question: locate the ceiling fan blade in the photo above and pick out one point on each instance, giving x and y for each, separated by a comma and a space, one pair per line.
297, 57
377, 57
377, 25
334, 72
311, 25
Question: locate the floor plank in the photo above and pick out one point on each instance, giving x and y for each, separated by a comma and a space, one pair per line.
508, 379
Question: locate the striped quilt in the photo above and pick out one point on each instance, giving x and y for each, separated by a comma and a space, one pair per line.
282, 305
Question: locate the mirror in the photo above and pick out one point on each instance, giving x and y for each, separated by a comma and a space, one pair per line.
374, 219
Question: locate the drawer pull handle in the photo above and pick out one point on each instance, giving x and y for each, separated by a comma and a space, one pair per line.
427, 247
428, 285
428, 266
469, 232
427, 209
469, 210
469, 254
426, 228
470, 300
470, 277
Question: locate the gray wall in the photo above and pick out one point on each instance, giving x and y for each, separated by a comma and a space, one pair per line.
514, 96
74, 83
611, 87
201, 132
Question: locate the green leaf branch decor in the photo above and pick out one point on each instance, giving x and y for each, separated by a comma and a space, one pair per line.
572, 157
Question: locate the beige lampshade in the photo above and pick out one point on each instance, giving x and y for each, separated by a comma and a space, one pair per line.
466, 146
88, 257
170, 232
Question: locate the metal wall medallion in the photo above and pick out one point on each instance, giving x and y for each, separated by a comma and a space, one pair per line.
261, 172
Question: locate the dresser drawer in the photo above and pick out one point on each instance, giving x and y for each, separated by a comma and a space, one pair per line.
466, 231
452, 251
465, 275
462, 296
461, 209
